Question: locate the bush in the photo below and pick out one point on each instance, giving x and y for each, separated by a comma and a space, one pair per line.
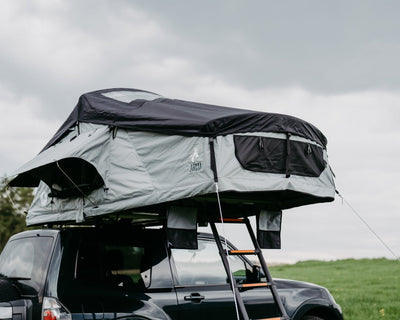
14, 202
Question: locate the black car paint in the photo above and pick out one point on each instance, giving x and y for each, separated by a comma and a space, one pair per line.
163, 300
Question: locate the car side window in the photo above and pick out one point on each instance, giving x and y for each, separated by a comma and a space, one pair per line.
204, 265
124, 263
116, 265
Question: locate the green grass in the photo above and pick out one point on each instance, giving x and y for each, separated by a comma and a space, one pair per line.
367, 289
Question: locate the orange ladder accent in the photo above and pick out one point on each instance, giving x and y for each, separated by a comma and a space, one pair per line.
253, 285
233, 252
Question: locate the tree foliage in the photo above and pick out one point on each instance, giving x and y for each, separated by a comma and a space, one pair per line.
14, 202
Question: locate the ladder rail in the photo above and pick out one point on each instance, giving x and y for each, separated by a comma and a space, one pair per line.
264, 266
225, 261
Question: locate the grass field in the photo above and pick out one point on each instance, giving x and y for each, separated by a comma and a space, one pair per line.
367, 289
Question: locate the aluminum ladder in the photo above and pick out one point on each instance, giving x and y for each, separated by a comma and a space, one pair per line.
236, 287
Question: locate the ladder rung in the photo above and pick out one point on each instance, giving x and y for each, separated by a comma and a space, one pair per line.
232, 220
234, 252
279, 318
254, 285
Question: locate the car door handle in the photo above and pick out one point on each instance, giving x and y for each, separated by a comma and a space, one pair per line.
195, 297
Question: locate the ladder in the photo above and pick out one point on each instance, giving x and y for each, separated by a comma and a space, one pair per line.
234, 286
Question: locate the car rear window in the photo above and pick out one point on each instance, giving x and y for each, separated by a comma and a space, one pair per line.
26, 258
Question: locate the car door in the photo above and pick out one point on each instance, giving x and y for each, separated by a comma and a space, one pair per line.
201, 283
107, 273
202, 287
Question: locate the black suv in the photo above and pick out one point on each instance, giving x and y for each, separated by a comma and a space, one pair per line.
127, 272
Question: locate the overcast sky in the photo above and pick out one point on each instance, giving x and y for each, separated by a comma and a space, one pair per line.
334, 64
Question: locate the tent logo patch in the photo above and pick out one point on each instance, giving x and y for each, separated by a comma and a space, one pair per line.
195, 161
195, 166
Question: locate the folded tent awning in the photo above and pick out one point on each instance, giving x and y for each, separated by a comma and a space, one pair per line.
67, 168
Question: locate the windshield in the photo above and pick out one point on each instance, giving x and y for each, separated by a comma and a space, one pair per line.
26, 259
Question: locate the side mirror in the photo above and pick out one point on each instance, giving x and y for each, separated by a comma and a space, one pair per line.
256, 273
253, 276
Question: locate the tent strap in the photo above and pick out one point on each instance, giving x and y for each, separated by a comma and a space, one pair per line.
213, 163
287, 154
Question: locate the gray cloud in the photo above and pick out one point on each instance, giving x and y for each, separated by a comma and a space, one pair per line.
333, 64
63, 48
335, 47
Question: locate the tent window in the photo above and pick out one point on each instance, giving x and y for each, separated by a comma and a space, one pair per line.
129, 96
271, 155
70, 177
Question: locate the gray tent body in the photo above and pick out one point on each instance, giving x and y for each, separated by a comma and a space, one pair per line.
93, 168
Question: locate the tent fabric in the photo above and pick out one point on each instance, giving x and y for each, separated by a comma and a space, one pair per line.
77, 146
118, 169
143, 169
182, 228
178, 117
269, 229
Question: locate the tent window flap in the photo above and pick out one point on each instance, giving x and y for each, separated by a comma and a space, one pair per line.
69, 177
272, 155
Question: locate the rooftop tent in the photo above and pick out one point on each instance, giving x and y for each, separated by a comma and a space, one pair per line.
122, 149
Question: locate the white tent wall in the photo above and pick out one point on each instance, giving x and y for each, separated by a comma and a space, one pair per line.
142, 168
138, 169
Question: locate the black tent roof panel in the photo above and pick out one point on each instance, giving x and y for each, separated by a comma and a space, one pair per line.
146, 111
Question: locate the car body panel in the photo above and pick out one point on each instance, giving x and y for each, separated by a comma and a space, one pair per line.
163, 293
